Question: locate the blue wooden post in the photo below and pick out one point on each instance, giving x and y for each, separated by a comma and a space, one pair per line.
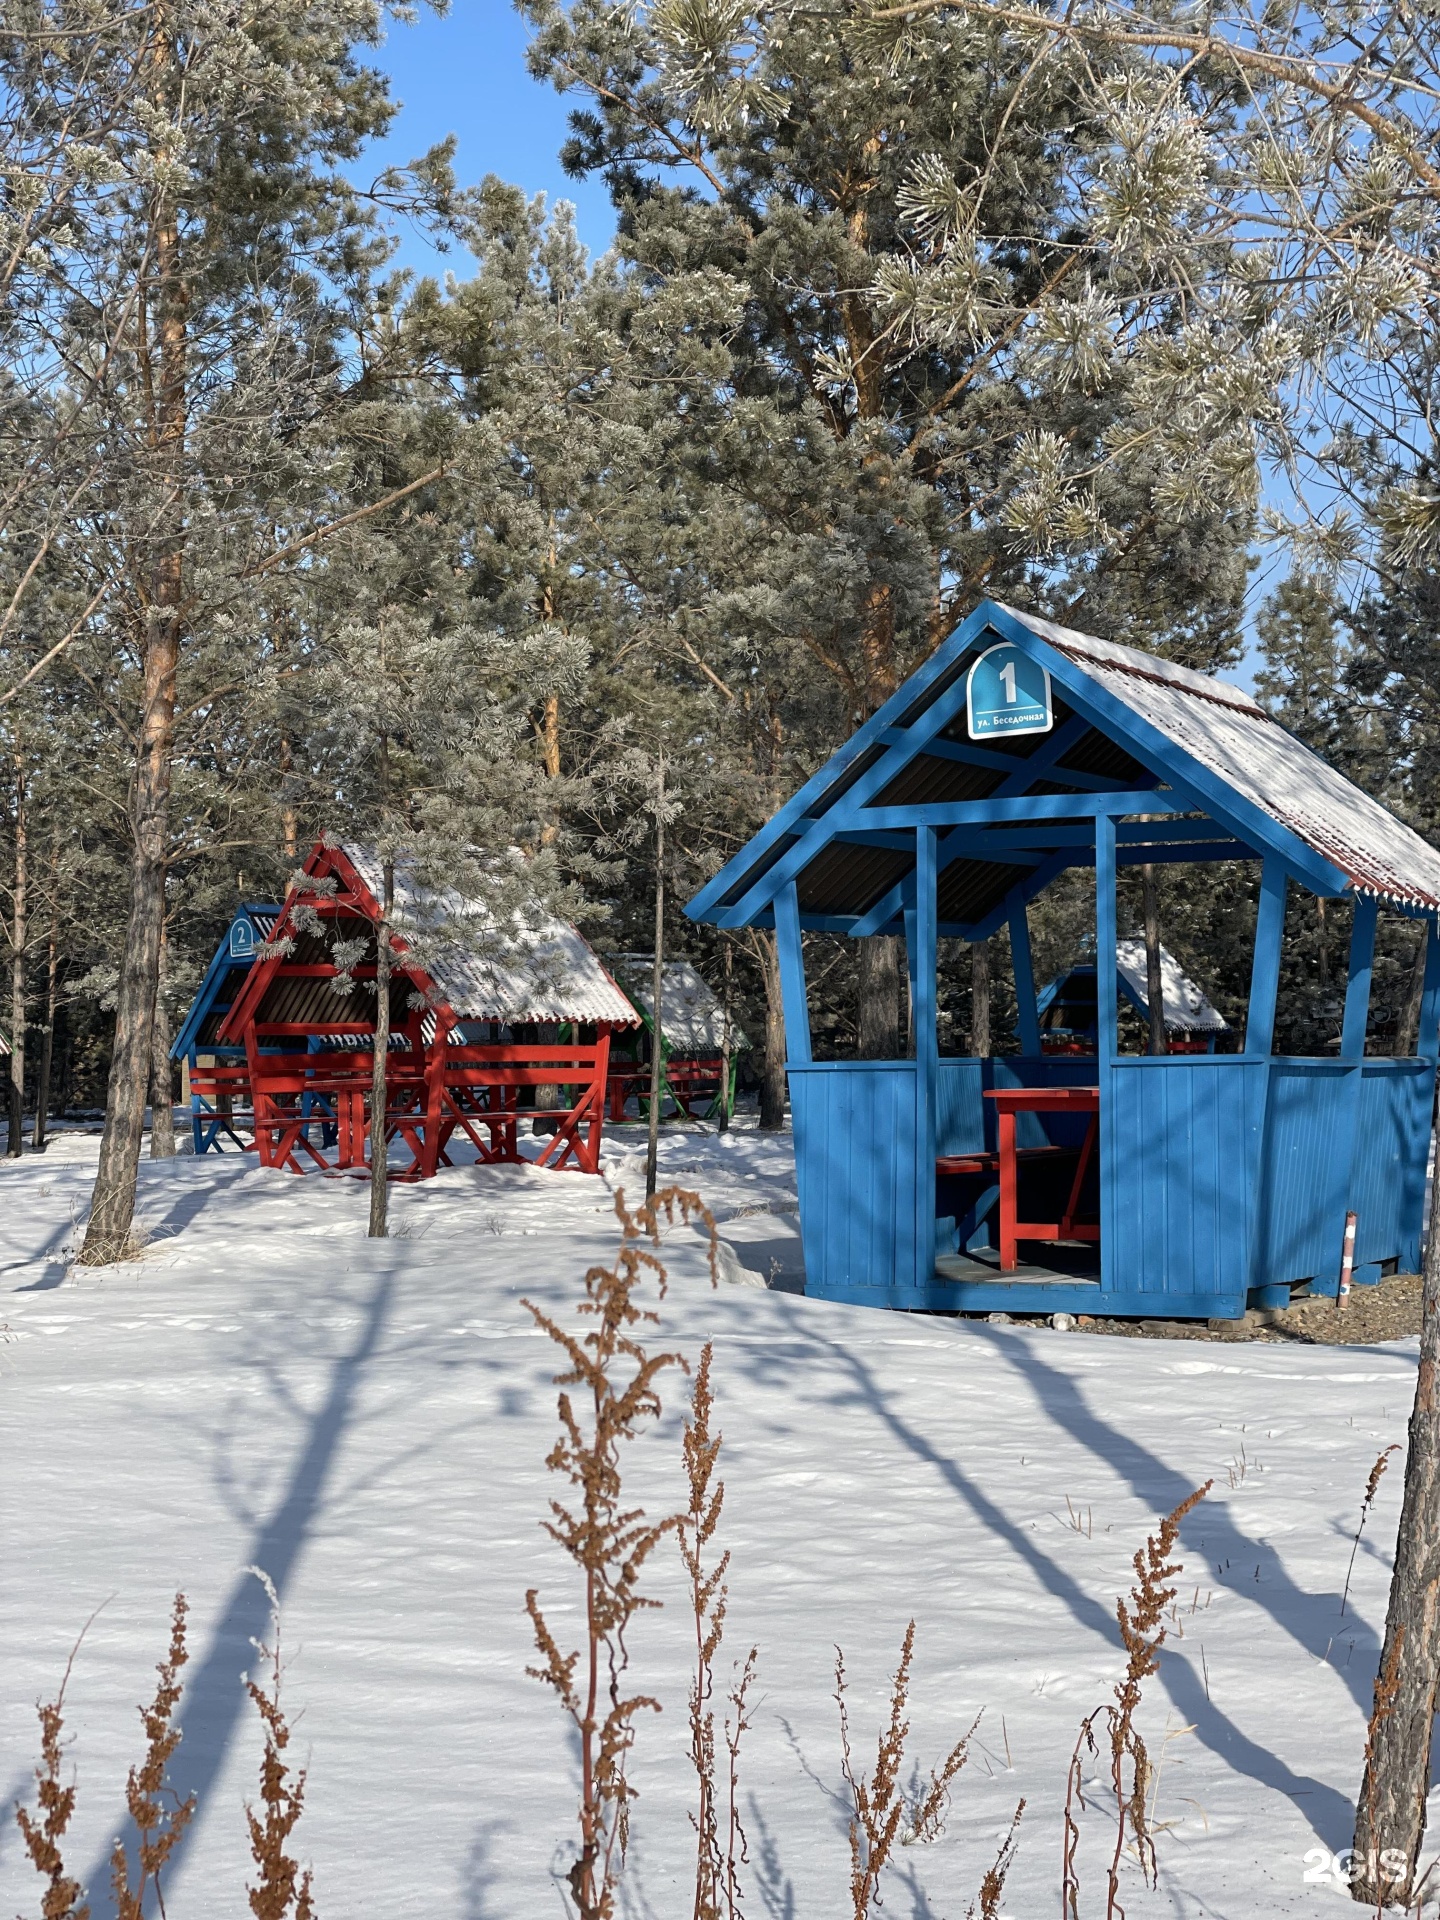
1024, 982
1427, 1038
1106, 986
1265, 966
1357, 986
923, 941
792, 976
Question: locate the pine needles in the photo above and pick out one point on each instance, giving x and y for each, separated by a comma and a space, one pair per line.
1142, 1634
608, 1542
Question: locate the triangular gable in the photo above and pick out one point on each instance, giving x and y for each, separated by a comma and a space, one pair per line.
248, 930
847, 836
353, 896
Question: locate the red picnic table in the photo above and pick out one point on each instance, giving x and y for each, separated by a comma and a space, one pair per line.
1008, 1102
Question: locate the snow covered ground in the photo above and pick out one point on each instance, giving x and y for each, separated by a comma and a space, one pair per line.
369, 1421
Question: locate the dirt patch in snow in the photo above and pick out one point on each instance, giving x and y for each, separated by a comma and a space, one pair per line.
1389, 1311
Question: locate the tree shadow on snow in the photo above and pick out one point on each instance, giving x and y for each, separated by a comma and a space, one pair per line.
1330, 1814
214, 1700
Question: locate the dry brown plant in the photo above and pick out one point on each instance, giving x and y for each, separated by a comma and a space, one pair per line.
879, 1800
717, 1864
282, 1888
1372, 1487
992, 1887
737, 1851
159, 1814
64, 1897
1142, 1634
608, 1542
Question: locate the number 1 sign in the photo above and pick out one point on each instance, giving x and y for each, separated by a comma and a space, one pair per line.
1007, 692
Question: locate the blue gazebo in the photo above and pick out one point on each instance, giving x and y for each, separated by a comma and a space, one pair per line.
1173, 1185
229, 968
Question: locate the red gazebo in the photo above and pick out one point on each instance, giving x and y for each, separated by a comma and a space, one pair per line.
472, 1015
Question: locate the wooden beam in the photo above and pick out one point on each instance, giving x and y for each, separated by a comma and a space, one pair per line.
1107, 1007
1029, 1021
792, 976
1265, 965
1357, 984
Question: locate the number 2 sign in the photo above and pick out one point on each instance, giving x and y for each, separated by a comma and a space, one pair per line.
1007, 692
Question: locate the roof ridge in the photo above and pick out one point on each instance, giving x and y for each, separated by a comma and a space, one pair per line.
1146, 666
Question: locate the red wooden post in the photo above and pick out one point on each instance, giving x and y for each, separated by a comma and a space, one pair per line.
1005, 1128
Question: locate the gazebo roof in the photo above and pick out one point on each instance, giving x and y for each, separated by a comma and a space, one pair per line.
541, 969
690, 1011
1210, 774
229, 967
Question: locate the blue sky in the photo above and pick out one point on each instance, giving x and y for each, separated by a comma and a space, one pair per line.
465, 74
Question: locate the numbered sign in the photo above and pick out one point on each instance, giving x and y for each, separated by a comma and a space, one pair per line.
242, 940
1007, 692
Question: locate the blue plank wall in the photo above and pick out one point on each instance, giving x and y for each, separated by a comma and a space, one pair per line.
1387, 1184
855, 1165
1219, 1172
1179, 1142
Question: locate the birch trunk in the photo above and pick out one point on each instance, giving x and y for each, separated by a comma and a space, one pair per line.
19, 936
1154, 981
379, 1079
112, 1205
39, 1139
1391, 1815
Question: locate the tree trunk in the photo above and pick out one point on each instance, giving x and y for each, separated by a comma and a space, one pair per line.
880, 998
39, 1139
980, 999
1324, 950
772, 1079
112, 1205
1391, 1814
657, 1043
162, 1109
1409, 1031
1154, 985
19, 935
289, 818
379, 1078
725, 999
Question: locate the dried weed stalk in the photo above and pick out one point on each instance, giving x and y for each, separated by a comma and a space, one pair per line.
737, 1849
282, 1888
64, 1897
159, 1815
1372, 1487
1142, 1633
992, 1887
879, 1801
608, 1542
717, 1863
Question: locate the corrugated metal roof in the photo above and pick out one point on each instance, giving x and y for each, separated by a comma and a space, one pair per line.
691, 1013
545, 971
1232, 736
1186, 1008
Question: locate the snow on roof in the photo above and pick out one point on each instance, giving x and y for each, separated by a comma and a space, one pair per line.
541, 968
691, 1013
1186, 1008
1229, 734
